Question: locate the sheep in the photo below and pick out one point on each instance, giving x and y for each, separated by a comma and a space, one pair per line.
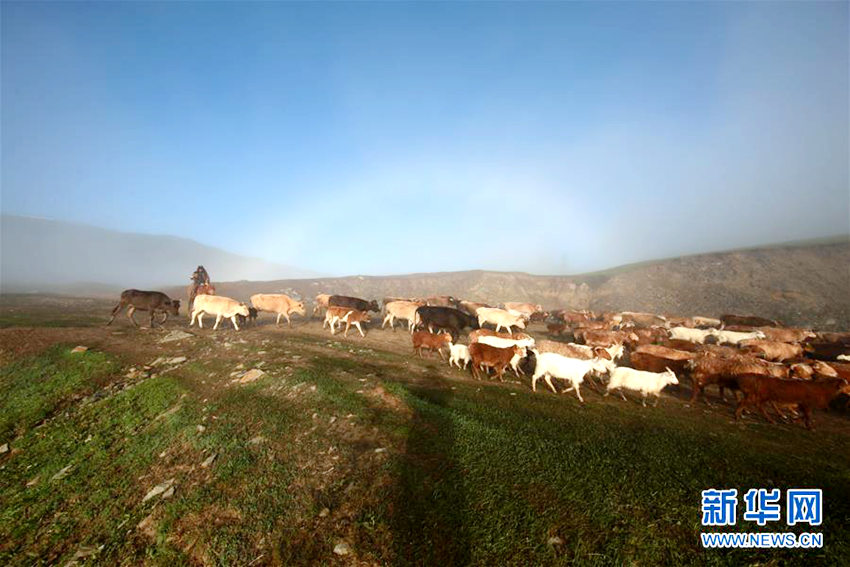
845, 357
458, 354
550, 364
640, 381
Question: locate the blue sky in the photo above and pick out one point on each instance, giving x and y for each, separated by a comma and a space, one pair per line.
377, 138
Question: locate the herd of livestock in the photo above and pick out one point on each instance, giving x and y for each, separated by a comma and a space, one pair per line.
790, 371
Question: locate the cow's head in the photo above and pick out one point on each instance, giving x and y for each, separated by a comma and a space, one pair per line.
242, 310
299, 308
174, 307
373, 306
671, 376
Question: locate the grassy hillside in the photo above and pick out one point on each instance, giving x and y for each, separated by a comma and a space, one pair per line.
357, 445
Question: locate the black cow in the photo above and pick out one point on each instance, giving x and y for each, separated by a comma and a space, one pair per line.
445, 318
353, 303
151, 301
748, 320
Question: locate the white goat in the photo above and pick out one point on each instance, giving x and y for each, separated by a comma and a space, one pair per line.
459, 353
640, 381
550, 364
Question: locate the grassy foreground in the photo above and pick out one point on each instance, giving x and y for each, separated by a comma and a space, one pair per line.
388, 456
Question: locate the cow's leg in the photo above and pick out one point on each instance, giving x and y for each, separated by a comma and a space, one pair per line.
130, 312
277, 322
151, 319
657, 397
359, 328
115, 311
217, 321
347, 326
643, 401
807, 415
386, 318
766, 415
201, 319
164, 318
548, 379
288, 320
233, 320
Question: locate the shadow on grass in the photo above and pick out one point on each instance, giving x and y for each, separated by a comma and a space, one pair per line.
430, 503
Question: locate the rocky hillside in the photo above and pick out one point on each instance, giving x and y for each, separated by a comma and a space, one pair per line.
800, 284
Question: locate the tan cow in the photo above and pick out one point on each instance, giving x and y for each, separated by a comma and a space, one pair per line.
279, 303
525, 309
401, 310
321, 302
219, 306
500, 318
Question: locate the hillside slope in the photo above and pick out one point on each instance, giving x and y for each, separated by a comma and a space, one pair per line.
800, 284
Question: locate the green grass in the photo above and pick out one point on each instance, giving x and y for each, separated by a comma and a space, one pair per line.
474, 473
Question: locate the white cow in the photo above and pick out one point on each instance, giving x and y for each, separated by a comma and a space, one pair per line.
500, 318
220, 307
693, 335
736, 337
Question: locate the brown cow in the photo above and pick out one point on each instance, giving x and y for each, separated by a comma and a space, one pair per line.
709, 369
152, 301
759, 389
608, 338
656, 358
773, 350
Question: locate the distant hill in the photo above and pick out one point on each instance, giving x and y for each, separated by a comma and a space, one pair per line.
48, 255
802, 283
805, 283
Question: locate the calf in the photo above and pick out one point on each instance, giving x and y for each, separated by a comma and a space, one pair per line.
640, 381
430, 341
353, 303
500, 342
354, 317
219, 306
251, 318
278, 303
807, 396
486, 356
152, 301
333, 316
